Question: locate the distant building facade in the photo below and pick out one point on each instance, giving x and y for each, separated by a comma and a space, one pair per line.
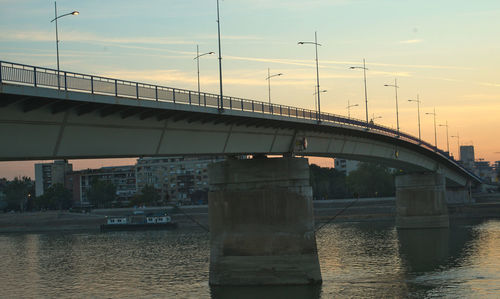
346, 166
467, 156
485, 171
123, 177
49, 174
176, 178
481, 168
497, 171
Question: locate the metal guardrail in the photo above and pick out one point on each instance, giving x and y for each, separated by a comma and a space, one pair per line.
68, 81
22, 74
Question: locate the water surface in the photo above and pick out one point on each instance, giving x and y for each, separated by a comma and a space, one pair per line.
357, 260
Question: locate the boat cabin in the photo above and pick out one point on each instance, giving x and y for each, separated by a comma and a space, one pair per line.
118, 220
158, 218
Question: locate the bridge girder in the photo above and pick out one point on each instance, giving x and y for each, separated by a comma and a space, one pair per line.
30, 104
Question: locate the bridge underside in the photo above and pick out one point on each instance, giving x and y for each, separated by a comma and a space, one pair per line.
50, 124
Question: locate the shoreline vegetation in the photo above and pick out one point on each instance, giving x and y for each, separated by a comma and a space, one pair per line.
374, 209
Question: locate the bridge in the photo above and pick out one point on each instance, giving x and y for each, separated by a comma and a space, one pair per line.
46, 114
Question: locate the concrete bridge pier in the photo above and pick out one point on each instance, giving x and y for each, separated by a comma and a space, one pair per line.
421, 201
261, 223
459, 195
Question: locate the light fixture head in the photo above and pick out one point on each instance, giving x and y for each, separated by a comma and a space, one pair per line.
75, 13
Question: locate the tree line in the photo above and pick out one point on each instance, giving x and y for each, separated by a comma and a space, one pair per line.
19, 195
369, 180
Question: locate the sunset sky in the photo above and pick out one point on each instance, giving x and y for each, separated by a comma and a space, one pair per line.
446, 51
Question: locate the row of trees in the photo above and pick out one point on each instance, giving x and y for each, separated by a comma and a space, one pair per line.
102, 194
16, 195
19, 195
369, 180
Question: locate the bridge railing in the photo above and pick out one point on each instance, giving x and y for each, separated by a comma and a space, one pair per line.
69, 81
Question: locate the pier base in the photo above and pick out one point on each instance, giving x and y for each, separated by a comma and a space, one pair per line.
261, 223
421, 201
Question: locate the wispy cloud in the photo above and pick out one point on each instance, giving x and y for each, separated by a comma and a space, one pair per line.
420, 66
153, 43
346, 63
483, 96
489, 84
33, 35
411, 41
298, 4
44, 36
443, 79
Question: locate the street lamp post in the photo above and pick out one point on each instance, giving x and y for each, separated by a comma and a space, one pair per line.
418, 109
268, 78
198, 55
375, 117
315, 102
435, 131
447, 140
221, 106
349, 108
74, 13
366, 93
397, 110
458, 144
315, 43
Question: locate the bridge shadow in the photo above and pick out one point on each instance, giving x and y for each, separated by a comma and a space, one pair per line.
265, 292
424, 250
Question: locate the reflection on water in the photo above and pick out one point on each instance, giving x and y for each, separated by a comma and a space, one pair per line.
357, 260
424, 250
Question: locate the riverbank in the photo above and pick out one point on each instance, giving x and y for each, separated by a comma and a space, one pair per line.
196, 217
49, 221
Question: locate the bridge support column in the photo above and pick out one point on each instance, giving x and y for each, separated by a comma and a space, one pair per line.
421, 201
262, 223
458, 195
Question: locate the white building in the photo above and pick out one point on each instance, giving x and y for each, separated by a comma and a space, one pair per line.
467, 156
49, 174
346, 166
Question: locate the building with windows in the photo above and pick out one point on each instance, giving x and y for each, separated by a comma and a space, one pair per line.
49, 174
176, 178
497, 171
467, 156
123, 177
346, 166
485, 171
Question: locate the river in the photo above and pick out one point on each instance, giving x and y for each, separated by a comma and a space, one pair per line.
364, 259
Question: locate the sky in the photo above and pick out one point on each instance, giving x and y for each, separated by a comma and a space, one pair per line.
446, 52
